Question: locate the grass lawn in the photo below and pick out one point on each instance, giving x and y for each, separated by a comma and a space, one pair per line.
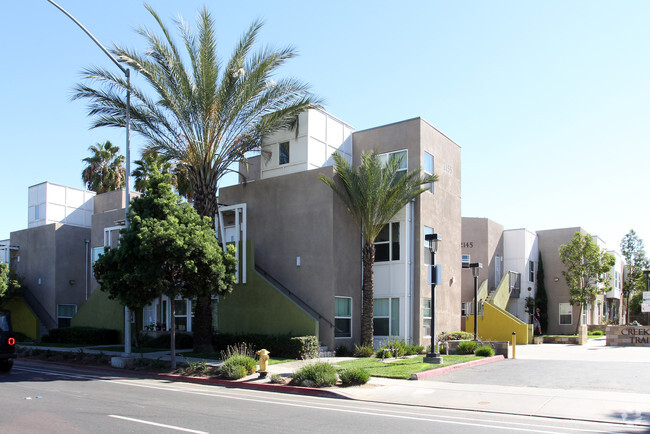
402, 368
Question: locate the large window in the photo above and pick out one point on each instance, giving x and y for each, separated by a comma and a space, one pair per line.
387, 243
426, 316
466, 308
343, 317
426, 255
64, 313
566, 314
531, 271
390, 156
428, 169
180, 317
386, 317
284, 153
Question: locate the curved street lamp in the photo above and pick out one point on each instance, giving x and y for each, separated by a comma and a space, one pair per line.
125, 71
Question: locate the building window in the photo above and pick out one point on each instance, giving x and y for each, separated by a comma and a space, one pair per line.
428, 169
531, 271
343, 317
37, 212
466, 308
284, 153
427, 254
387, 243
566, 314
426, 317
96, 251
64, 314
180, 317
465, 259
390, 156
386, 317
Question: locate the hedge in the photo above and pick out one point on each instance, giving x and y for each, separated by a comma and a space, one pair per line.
83, 335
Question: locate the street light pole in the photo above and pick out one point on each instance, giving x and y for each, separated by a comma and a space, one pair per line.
125, 71
647, 285
434, 355
476, 269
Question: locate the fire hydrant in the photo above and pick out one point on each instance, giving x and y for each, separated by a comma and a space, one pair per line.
264, 362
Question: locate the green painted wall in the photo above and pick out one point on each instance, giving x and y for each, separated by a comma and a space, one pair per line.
497, 325
259, 307
23, 320
101, 312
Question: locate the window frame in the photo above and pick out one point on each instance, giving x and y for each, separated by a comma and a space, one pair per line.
565, 314
59, 316
531, 271
394, 254
386, 156
393, 320
426, 305
284, 157
343, 317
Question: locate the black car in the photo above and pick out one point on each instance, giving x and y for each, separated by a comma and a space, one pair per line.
7, 342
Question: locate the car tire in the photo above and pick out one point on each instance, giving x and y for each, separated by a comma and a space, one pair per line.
5, 365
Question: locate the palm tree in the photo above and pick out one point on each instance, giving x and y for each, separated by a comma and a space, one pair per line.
373, 194
205, 115
152, 162
105, 170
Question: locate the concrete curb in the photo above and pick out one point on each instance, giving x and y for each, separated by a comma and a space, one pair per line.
280, 388
446, 369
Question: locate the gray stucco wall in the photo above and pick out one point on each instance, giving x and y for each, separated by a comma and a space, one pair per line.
297, 215
483, 241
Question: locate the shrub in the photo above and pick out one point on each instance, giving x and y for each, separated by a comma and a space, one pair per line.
83, 336
467, 347
398, 349
597, 333
240, 349
484, 351
305, 347
363, 351
163, 340
342, 351
455, 336
279, 346
322, 374
354, 376
233, 371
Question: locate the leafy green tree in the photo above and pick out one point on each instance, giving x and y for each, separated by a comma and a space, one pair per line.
587, 270
167, 249
4, 279
206, 114
636, 261
373, 194
104, 171
541, 298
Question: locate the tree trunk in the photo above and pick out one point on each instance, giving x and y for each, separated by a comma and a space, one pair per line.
582, 306
205, 203
368, 295
172, 334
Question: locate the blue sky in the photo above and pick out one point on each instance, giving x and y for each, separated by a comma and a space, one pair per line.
549, 100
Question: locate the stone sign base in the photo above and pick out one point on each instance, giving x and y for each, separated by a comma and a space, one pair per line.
628, 336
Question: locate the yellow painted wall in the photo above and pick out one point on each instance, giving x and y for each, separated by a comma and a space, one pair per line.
23, 319
497, 325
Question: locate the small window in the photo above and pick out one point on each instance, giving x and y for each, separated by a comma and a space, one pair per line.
96, 251
566, 314
428, 169
37, 212
284, 153
390, 156
465, 259
426, 317
531, 271
387, 243
426, 255
180, 315
386, 317
65, 312
343, 317
466, 308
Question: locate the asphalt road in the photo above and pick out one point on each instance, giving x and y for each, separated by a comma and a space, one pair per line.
55, 399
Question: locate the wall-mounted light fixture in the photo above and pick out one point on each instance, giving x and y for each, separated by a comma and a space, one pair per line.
72, 281
557, 279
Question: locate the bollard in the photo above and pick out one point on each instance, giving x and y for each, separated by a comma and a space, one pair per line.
514, 343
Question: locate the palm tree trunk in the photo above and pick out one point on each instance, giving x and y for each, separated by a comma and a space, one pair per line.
368, 294
205, 203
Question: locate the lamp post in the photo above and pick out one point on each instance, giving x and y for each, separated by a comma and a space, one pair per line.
646, 273
476, 269
125, 71
434, 355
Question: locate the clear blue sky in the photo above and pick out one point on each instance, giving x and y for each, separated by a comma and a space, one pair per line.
549, 100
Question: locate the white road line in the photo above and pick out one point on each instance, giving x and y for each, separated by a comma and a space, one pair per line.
438, 418
162, 425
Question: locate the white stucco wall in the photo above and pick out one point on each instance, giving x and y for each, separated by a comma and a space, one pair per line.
519, 248
52, 203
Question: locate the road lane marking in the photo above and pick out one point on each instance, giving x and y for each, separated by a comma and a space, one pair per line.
415, 416
162, 425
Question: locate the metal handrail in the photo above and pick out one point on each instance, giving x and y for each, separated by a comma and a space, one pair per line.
288, 292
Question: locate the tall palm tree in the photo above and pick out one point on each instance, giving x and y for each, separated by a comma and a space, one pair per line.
105, 170
373, 194
151, 162
205, 113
